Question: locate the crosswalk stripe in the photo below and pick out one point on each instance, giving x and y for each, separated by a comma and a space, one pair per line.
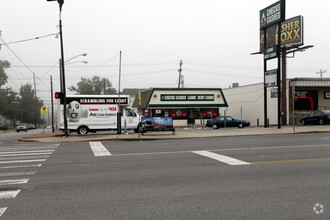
221, 158
27, 151
2, 210
22, 154
98, 149
25, 157
18, 173
22, 161
22, 166
11, 182
10, 194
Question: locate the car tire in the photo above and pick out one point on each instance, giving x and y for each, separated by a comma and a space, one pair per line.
82, 130
321, 122
240, 126
215, 126
303, 122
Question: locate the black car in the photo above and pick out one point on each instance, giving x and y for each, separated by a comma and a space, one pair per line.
221, 121
316, 117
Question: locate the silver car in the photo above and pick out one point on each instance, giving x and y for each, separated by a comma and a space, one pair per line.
21, 127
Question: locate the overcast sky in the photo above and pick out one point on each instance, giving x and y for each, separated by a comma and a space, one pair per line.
213, 38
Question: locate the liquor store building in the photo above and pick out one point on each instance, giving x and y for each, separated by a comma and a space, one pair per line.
187, 106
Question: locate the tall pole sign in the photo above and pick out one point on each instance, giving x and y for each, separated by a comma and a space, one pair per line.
270, 16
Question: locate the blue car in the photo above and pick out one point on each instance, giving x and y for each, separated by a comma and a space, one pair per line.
316, 117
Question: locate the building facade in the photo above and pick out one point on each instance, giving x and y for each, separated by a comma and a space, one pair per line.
248, 101
187, 106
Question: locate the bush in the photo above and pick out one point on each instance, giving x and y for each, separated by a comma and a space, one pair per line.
4, 127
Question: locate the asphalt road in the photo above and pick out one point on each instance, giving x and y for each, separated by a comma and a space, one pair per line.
250, 177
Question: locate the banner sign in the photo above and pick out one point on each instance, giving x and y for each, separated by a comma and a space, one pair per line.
159, 122
270, 15
291, 34
271, 78
98, 100
182, 97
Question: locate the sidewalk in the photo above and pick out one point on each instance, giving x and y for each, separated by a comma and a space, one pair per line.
181, 133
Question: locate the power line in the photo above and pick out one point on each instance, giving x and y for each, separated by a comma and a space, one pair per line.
35, 38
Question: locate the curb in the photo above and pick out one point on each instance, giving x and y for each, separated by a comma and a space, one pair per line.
178, 135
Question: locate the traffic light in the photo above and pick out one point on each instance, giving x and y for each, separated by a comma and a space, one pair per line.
58, 95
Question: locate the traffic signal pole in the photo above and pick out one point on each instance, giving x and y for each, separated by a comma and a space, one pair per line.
63, 78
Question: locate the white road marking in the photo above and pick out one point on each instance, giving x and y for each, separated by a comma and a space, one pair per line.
225, 149
98, 149
18, 173
10, 194
22, 154
221, 158
22, 161
30, 151
23, 166
11, 182
2, 210
25, 157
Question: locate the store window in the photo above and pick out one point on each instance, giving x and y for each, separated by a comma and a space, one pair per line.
306, 100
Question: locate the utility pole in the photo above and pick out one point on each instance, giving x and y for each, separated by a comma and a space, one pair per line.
52, 101
35, 98
180, 70
119, 110
321, 72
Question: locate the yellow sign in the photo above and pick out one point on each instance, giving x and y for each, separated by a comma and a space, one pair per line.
44, 110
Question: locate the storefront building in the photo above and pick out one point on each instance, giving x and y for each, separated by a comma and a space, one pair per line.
187, 106
248, 101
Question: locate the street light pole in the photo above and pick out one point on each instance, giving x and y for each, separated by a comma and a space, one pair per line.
61, 2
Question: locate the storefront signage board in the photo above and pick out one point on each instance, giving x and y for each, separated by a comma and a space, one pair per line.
185, 97
270, 53
270, 15
271, 78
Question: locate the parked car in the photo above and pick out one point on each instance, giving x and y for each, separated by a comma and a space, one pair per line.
316, 117
22, 127
219, 122
31, 126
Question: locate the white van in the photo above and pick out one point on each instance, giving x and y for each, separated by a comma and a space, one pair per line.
91, 113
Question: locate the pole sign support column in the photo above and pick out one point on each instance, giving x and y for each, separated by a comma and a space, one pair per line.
272, 15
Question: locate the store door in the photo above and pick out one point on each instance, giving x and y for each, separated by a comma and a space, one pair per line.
191, 116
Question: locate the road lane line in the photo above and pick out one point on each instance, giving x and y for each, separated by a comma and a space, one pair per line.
2, 210
10, 194
22, 161
22, 166
221, 158
98, 149
290, 161
11, 182
18, 173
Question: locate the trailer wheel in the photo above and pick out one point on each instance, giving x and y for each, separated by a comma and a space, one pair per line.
82, 130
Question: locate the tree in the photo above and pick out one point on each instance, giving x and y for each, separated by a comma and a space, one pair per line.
4, 92
94, 86
29, 105
3, 75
